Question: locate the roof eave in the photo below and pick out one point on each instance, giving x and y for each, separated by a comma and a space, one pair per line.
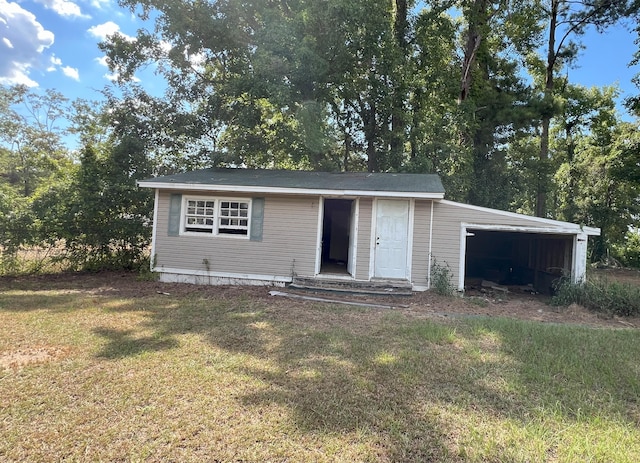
572, 227
288, 191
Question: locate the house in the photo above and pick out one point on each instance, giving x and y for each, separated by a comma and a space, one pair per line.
243, 226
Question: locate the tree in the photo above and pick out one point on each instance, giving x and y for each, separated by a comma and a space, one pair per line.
326, 84
582, 111
566, 19
493, 96
98, 213
30, 137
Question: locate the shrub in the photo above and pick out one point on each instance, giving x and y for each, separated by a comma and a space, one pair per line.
600, 295
441, 276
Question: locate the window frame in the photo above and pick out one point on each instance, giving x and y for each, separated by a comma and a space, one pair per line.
217, 217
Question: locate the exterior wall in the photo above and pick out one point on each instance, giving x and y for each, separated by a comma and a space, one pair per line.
446, 236
447, 221
420, 258
288, 243
363, 252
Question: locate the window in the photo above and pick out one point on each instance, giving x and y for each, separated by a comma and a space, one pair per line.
199, 216
216, 216
234, 218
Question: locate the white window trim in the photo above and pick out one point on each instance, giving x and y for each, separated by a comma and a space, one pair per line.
216, 216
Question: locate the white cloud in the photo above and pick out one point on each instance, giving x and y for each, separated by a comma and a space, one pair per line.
55, 62
115, 76
64, 8
100, 4
71, 72
101, 31
23, 43
102, 61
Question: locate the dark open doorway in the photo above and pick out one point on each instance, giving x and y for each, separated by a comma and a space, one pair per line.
336, 230
517, 258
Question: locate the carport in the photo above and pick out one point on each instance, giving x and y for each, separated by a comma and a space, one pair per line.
521, 256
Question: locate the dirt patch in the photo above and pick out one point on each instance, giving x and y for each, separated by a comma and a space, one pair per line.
515, 304
621, 275
19, 358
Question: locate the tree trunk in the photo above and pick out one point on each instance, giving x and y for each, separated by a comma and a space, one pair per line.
396, 141
543, 175
369, 121
476, 18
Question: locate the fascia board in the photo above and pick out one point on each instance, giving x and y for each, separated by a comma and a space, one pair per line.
288, 191
574, 228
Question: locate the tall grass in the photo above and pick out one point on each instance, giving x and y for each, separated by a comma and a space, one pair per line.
600, 294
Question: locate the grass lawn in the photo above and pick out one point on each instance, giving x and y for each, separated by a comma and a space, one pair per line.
97, 373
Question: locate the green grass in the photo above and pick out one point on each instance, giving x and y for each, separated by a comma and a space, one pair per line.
222, 376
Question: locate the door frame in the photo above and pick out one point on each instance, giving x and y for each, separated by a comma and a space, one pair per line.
410, 224
353, 237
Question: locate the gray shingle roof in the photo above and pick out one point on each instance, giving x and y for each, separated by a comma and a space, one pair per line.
303, 180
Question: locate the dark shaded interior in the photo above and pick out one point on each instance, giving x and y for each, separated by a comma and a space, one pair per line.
336, 228
514, 258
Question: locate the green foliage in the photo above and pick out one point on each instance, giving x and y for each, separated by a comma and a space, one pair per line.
599, 294
628, 251
31, 148
329, 85
442, 279
99, 213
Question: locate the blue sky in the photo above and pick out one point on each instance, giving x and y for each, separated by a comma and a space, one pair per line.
53, 44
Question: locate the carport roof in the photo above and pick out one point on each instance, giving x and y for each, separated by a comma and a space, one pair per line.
303, 182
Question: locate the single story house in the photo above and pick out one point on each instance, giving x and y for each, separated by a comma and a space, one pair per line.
245, 226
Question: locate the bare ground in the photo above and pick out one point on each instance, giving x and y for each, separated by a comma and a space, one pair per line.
515, 304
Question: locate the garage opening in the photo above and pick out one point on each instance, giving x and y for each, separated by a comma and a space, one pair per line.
336, 236
517, 258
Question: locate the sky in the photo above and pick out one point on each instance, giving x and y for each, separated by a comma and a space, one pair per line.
53, 44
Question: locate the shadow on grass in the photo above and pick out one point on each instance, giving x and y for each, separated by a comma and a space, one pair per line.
29, 301
407, 385
578, 371
125, 343
394, 380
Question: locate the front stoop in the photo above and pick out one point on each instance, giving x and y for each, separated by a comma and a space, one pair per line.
365, 288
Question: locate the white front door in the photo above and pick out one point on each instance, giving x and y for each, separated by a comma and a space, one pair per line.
392, 232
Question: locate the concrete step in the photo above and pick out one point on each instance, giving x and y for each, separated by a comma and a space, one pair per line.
367, 288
